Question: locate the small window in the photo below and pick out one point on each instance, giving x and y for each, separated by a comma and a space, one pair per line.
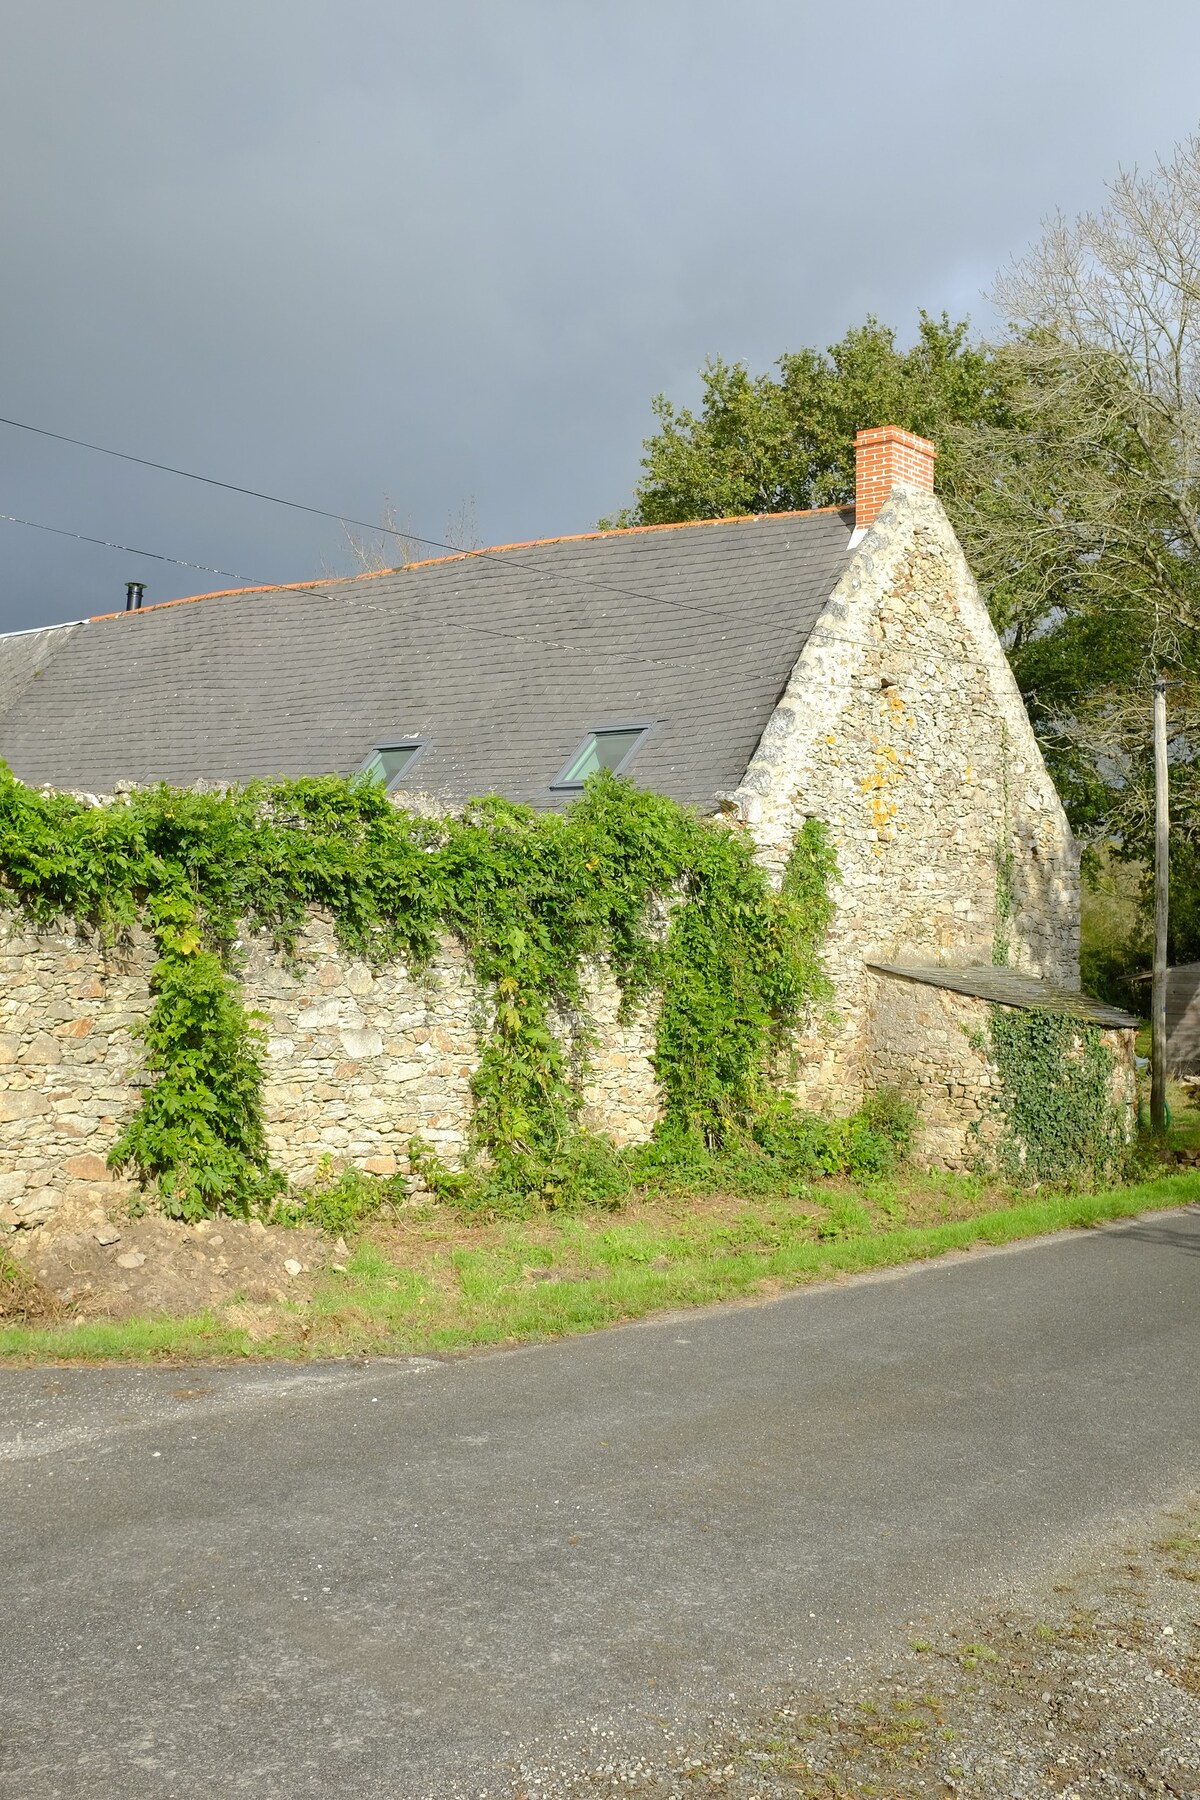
610, 748
390, 763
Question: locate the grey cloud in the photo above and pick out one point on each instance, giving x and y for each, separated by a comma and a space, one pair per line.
346, 250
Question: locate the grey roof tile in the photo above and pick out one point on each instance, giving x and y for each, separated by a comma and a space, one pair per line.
1008, 988
503, 661
23, 657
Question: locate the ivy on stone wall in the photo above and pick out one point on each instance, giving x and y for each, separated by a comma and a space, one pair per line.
199, 1132
1055, 1096
678, 906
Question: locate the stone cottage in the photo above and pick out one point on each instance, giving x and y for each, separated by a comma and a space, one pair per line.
835, 664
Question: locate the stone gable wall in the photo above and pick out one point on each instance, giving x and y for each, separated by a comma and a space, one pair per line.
903, 729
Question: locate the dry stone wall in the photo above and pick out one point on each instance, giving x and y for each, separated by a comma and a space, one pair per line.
67, 1066
930, 1044
357, 1062
903, 729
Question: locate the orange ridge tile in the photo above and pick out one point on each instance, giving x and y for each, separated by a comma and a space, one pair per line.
577, 537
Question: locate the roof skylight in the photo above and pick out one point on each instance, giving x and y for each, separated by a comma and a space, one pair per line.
611, 747
389, 763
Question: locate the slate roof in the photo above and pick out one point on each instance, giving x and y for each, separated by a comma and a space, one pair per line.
1007, 988
503, 660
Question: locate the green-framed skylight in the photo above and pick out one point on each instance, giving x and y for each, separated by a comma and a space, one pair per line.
608, 747
390, 762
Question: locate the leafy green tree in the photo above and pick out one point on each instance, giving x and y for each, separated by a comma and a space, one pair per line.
1081, 516
775, 443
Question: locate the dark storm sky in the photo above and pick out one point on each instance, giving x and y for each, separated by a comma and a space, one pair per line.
447, 253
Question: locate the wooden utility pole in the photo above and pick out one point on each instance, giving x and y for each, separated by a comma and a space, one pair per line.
1158, 991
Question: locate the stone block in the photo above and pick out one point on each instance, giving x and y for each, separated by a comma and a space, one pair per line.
26, 1103
86, 1167
36, 1205
320, 1015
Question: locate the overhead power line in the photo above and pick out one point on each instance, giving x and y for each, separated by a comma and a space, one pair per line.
130, 549
319, 592
321, 512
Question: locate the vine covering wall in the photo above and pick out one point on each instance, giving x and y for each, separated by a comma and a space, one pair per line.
1062, 1114
1027, 1093
677, 908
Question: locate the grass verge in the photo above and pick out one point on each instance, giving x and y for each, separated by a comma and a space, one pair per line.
429, 1283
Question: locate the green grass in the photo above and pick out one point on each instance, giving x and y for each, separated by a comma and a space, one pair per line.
434, 1285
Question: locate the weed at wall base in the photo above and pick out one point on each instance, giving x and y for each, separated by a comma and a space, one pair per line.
780, 1152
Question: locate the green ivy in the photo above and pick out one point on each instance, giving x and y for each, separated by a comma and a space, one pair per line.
1060, 1121
741, 968
678, 906
199, 1130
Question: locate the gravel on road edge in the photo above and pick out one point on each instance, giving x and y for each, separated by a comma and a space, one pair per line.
1088, 1689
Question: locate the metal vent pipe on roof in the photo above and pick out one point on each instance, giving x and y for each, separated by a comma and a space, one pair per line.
134, 591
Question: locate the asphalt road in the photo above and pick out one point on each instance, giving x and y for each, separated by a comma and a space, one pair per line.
384, 1579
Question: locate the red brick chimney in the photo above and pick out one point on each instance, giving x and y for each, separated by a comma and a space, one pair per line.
886, 457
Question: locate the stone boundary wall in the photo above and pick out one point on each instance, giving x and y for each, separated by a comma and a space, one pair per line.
67, 1067
925, 1042
356, 1063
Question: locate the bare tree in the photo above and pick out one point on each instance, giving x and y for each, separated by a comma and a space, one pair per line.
396, 544
1082, 514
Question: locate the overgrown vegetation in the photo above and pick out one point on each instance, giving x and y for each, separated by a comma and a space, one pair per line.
199, 1130
1060, 1121
778, 1152
678, 907
427, 1281
1115, 938
24, 1302
340, 1200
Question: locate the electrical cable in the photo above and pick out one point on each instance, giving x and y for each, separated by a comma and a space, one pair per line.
208, 569
130, 549
320, 512
495, 555
472, 627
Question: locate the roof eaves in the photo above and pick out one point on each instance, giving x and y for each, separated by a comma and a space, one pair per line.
1009, 987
